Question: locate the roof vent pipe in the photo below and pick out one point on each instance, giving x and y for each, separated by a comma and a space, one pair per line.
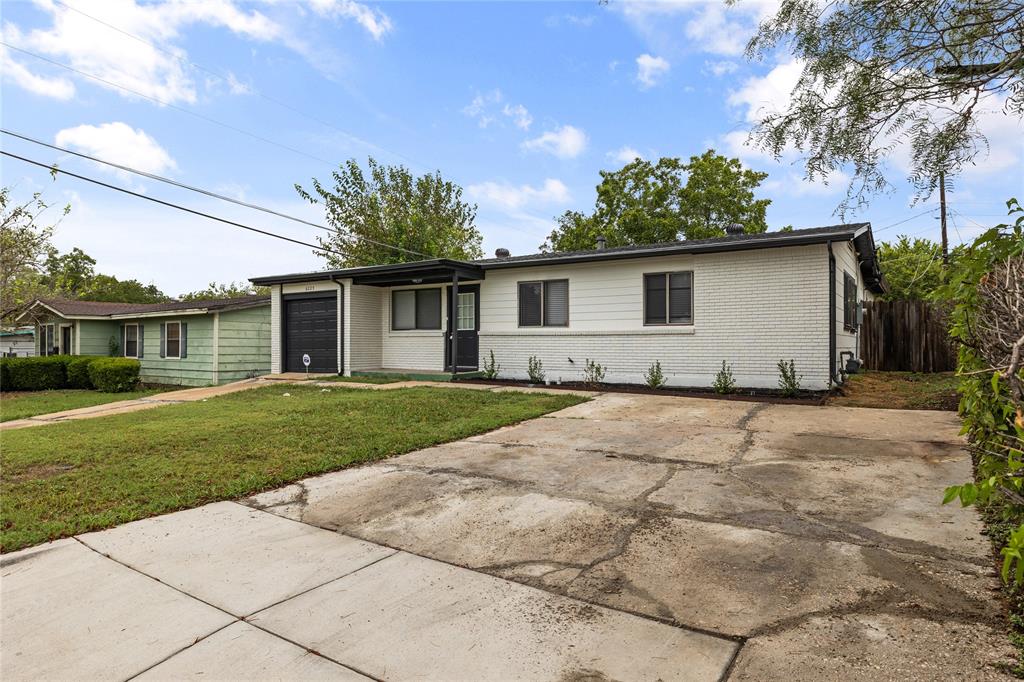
734, 228
502, 253
601, 241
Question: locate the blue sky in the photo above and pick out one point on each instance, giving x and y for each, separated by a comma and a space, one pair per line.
520, 103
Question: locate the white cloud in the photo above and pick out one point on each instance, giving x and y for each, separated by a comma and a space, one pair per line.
485, 110
715, 27
156, 66
511, 197
119, 143
625, 154
650, 69
374, 21
720, 68
56, 87
566, 142
519, 114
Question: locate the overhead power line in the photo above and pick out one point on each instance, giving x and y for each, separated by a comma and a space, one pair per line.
161, 102
907, 220
219, 75
206, 192
54, 168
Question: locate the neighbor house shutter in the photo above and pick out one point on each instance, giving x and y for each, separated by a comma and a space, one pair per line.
163, 340
556, 303
141, 344
124, 341
184, 341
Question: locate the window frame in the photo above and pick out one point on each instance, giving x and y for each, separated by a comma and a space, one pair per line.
416, 309
49, 334
850, 293
668, 298
543, 303
167, 338
124, 351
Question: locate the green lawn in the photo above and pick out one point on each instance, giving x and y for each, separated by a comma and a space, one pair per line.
31, 403
71, 477
372, 379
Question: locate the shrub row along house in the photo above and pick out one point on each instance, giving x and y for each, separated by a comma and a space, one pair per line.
192, 343
747, 299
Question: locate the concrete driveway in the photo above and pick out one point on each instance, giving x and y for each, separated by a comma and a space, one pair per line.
631, 537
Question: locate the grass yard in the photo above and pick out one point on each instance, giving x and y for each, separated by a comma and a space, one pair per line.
22, 404
372, 379
71, 477
899, 391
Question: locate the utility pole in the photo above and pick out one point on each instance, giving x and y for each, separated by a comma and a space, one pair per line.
942, 210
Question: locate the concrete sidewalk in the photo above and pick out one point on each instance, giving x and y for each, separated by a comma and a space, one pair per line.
120, 407
229, 592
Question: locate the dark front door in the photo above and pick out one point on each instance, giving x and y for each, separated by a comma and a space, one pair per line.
65, 341
466, 313
311, 328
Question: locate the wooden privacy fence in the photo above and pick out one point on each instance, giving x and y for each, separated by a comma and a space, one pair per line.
909, 336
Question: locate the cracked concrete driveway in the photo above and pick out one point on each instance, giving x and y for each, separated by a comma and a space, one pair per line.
630, 537
811, 536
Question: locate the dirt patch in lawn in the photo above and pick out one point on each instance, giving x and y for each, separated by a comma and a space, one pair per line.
899, 391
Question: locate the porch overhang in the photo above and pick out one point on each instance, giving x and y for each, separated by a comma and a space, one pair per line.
435, 271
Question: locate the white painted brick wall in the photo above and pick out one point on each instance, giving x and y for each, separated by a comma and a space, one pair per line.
364, 324
751, 309
275, 329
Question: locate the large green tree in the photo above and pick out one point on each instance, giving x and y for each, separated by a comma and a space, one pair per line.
73, 275
227, 290
648, 202
24, 249
912, 267
388, 215
880, 74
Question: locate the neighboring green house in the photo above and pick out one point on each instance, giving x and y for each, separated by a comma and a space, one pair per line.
191, 343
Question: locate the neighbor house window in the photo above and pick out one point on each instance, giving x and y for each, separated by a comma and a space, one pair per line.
131, 340
544, 304
668, 298
48, 340
416, 309
849, 302
172, 334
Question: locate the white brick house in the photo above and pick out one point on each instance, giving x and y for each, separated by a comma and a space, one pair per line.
747, 299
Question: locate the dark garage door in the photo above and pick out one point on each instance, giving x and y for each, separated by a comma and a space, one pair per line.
311, 326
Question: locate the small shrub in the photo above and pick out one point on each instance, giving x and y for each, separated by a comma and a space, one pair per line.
35, 374
113, 347
724, 382
535, 370
654, 377
77, 368
491, 367
789, 382
114, 375
593, 373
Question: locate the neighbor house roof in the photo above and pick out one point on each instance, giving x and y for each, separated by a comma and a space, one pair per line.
860, 233
71, 308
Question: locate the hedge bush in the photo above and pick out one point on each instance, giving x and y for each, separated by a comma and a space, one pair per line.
34, 374
114, 375
77, 369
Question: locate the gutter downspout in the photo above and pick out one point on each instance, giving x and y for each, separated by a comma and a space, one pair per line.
831, 315
342, 327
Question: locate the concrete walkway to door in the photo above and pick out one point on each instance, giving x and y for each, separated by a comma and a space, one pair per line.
631, 537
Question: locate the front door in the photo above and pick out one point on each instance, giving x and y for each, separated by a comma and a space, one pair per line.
65, 341
464, 315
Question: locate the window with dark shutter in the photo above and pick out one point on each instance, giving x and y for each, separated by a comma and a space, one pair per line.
131, 340
172, 335
849, 302
531, 297
544, 304
668, 298
556, 303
